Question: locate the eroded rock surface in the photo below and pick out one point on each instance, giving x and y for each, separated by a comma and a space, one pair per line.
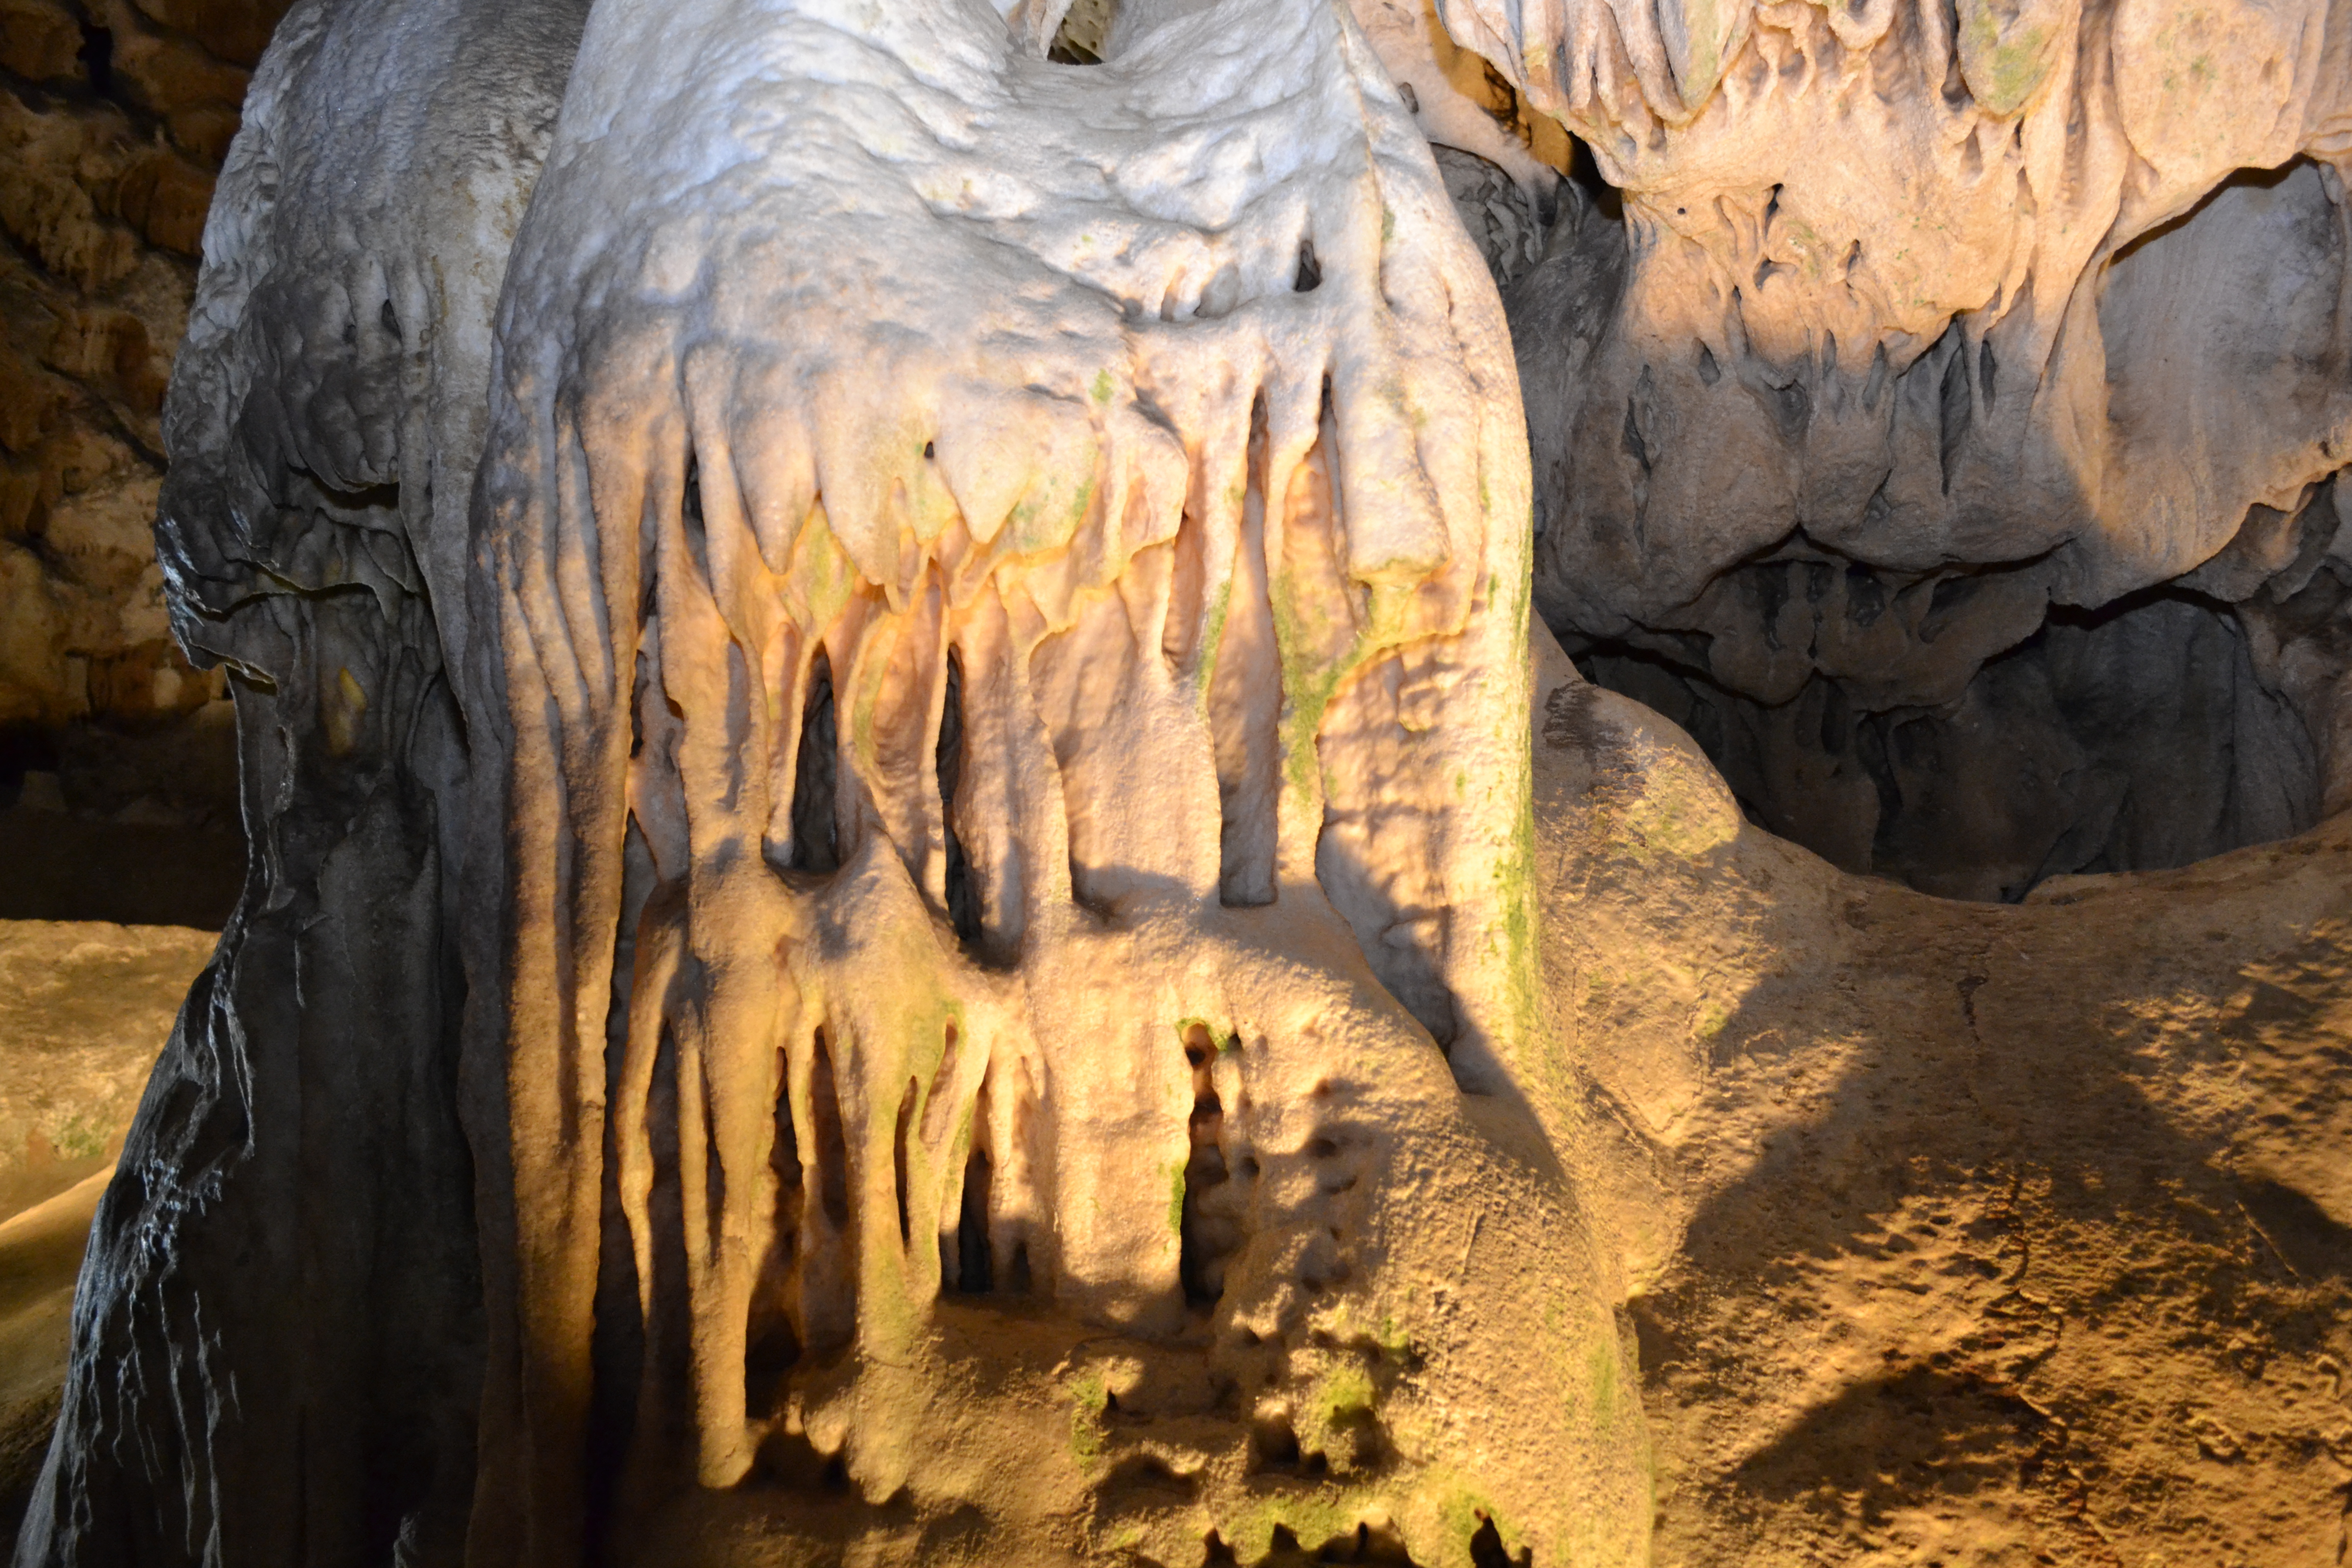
84, 1008
1051, 757
911, 928
1961, 1233
1928, 338
286, 1259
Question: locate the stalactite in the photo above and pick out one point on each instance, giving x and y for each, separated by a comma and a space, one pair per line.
995, 712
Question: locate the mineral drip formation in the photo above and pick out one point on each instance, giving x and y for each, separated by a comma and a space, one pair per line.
883, 651
1010, 598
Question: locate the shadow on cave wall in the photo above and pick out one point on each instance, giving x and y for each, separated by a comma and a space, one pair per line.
122, 821
2081, 1276
2139, 736
1944, 715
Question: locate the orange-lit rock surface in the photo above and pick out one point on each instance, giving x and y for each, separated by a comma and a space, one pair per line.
1956, 1232
1960, 1232
908, 901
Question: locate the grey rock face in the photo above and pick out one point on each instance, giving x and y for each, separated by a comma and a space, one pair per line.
2140, 736
1912, 669
277, 1330
84, 1008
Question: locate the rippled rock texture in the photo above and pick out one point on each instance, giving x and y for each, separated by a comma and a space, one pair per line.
914, 895
1947, 434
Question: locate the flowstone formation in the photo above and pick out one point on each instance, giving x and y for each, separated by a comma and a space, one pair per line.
946, 682
277, 1332
1046, 755
915, 896
1948, 432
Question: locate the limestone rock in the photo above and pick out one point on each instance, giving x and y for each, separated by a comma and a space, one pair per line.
84, 1008
106, 209
235, 31
898, 906
1131, 804
45, 203
1957, 1232
1788, 429
40, 40
1458, 101
1503, 221
174, 79
40, 1260
318, 1051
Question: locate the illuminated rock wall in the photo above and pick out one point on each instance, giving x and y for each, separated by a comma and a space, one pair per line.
113, 121
915, 896
1933, 349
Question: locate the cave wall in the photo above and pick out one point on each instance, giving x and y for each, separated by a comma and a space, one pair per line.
1964, 725
2063, 317
299, 1194
114, 118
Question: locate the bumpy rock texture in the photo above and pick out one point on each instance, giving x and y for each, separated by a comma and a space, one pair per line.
83, 1009
1947, 432
1961, 1234
113, 120
1020, 789
292, 1216
1051, 757
895, 912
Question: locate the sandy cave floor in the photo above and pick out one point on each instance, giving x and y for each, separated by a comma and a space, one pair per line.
1961, 1234
84, 1008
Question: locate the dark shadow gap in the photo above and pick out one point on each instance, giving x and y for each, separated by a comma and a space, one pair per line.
816, 822
963, 889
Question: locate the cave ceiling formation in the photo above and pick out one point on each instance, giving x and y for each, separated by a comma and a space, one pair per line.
1947, 433
913, 893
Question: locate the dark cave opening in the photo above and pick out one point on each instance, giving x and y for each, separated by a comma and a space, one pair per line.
2156, 731
1584, 173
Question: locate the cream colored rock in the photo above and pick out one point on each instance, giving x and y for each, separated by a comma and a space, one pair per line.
1925, 330
1957, 1232
1049, 750
961, 756
1456, 100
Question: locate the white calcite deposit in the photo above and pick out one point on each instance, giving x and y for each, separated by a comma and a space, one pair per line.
916, 898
